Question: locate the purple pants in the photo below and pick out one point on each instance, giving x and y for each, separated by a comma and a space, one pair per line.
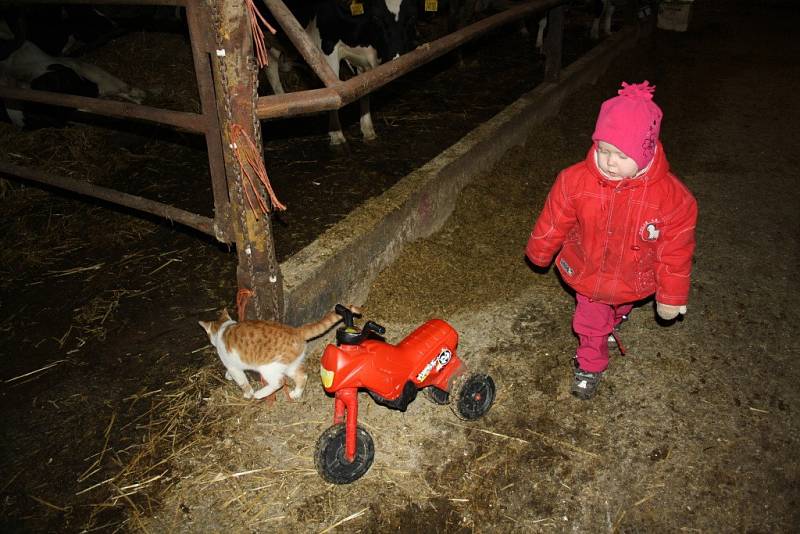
593, 322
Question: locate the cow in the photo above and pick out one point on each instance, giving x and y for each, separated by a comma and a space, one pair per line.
362, 34
602, 10
23, 64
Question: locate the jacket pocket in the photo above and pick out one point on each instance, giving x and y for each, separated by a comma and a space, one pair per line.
571, 262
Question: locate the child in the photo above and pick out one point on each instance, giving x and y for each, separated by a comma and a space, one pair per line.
624, 225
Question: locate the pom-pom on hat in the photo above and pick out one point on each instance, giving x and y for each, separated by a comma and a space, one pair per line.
631, 122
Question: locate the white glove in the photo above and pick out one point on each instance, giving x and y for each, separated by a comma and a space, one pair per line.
667, 311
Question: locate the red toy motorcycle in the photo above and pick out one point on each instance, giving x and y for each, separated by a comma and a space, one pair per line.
391, 374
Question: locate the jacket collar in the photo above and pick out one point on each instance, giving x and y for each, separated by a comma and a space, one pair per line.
657, 169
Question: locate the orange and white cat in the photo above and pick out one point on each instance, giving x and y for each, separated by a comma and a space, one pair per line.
272, 349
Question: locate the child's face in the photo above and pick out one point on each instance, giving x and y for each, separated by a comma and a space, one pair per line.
614, 162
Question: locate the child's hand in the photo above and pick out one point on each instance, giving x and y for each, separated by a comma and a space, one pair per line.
667, 311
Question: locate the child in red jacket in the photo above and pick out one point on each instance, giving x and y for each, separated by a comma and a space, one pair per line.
624, 225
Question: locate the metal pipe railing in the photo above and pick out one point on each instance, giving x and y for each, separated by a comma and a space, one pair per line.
192, 220
191, 122
299, 103
339, 94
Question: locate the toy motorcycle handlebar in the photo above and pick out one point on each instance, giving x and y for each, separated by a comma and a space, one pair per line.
349, 333
346, 313
372, 326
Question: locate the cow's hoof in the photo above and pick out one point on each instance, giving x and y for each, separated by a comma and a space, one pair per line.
337, 138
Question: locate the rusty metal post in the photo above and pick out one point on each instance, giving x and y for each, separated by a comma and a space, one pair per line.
201, 33
236, 83
553, 44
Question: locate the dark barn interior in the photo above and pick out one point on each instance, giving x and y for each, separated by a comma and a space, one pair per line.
116, 412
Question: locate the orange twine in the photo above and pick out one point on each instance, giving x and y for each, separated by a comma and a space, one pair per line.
246, 152
258, 35
242, 296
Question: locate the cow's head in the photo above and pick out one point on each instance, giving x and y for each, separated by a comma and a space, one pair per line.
395, 23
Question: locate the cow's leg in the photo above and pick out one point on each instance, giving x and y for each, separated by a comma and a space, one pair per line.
603, 11
367, 128
609, 10
540, 33
13, 108
15, 113
335, 132
107, 84
333, 60
363, 58
273, 74
458, 16
335, 129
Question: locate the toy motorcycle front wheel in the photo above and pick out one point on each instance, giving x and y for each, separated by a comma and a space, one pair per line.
472, 395
330, 460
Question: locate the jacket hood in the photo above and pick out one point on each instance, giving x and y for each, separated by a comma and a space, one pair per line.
658, 168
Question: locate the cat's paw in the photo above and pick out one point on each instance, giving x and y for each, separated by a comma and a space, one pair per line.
248, 394
228, 375
295, 394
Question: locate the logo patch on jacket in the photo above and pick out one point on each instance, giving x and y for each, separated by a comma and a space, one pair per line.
650, 230
565, 267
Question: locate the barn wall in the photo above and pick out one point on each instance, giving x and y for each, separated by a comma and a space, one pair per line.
342, 263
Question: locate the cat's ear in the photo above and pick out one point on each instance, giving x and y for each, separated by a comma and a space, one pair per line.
206, 326
224, 316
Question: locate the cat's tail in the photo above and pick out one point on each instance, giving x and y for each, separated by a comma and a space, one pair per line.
312, 330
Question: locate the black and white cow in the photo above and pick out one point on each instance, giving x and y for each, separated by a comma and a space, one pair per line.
24, 64
362, 34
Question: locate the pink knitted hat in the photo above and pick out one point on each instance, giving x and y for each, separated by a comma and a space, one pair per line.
631, 122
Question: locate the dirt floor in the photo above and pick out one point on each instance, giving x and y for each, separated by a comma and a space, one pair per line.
116, 414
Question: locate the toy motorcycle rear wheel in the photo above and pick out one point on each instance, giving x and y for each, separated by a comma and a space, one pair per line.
472, 395
329, 457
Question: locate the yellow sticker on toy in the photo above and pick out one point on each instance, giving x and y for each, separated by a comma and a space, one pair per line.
357, 8
431, 5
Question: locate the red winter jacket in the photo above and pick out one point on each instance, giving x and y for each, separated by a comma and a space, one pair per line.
620, 241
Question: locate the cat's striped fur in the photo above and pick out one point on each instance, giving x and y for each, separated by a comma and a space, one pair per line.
272, 349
